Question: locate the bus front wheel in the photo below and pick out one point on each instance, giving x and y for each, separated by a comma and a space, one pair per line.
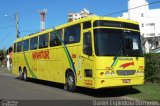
70, 82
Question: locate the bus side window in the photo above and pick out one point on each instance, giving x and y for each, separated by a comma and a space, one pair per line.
26, 45
87, 44
33, 43
86, 25
19, 46
15, 46
43, 41
54, 40
72, 34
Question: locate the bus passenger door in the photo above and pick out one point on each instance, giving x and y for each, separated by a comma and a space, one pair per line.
87, 59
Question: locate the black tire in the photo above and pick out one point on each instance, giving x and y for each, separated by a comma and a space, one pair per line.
20, 74
25, 75
70, 82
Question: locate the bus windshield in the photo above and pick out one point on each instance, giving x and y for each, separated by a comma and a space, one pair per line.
111, 42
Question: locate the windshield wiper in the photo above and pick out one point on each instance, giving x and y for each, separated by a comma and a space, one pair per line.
117, 52
119, 49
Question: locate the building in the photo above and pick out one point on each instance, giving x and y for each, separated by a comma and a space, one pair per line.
149, 20
157, 50
82, 14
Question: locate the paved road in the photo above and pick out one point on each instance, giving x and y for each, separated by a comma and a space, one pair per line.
14, 89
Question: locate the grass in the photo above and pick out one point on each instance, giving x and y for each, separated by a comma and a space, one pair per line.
148, 91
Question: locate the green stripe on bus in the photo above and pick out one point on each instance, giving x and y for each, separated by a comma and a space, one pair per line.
115, 62
30, 70
26, 61
70, 64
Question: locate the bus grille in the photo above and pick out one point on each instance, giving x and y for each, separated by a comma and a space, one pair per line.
126, 72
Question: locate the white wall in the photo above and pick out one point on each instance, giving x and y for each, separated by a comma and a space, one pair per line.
149, 19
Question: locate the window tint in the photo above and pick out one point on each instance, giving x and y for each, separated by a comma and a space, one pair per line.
133, 44
19, 47
15, 48
115, 24
26, 45
86, 25
33, 43
54, 40
87, 44
72, 34
43, 41
108, 42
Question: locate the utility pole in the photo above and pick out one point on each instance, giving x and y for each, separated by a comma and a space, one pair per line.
17, 25
43, 16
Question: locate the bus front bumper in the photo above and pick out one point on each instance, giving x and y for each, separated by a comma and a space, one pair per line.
118, 82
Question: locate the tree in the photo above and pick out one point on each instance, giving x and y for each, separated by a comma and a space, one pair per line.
2, 55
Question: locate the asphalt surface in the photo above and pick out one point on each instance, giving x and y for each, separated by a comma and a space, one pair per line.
12, 88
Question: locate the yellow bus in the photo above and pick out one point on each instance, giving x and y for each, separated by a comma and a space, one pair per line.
93, 52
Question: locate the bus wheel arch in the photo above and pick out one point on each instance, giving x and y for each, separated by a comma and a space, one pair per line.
24, 73
70, 80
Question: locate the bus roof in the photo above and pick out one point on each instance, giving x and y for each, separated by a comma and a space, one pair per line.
76, 22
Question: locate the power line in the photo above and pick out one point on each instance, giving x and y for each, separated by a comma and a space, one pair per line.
6, 21
7, 35
6, 27
29, 30
6, 38
17, 23
151, 3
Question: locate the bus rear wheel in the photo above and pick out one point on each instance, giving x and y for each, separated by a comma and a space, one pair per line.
25, 75
70, 82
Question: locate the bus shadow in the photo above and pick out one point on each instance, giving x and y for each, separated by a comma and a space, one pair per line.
99, 93
46, 83
43, 82
108, 92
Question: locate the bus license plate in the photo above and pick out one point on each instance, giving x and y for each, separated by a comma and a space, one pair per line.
126, 80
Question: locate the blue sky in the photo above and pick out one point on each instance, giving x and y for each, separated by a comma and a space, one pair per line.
29, 19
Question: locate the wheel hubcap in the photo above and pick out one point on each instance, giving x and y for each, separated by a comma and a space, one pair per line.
70, 80
25, 76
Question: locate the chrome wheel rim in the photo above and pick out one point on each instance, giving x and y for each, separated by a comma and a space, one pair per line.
70, 81
25, 76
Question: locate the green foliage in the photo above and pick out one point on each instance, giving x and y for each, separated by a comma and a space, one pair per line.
148, 91
1, 55
152, 67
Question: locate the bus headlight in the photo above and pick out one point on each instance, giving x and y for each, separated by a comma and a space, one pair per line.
107, 73
112, 73
139, 71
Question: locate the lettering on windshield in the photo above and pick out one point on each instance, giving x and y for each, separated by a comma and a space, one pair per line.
125, 59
